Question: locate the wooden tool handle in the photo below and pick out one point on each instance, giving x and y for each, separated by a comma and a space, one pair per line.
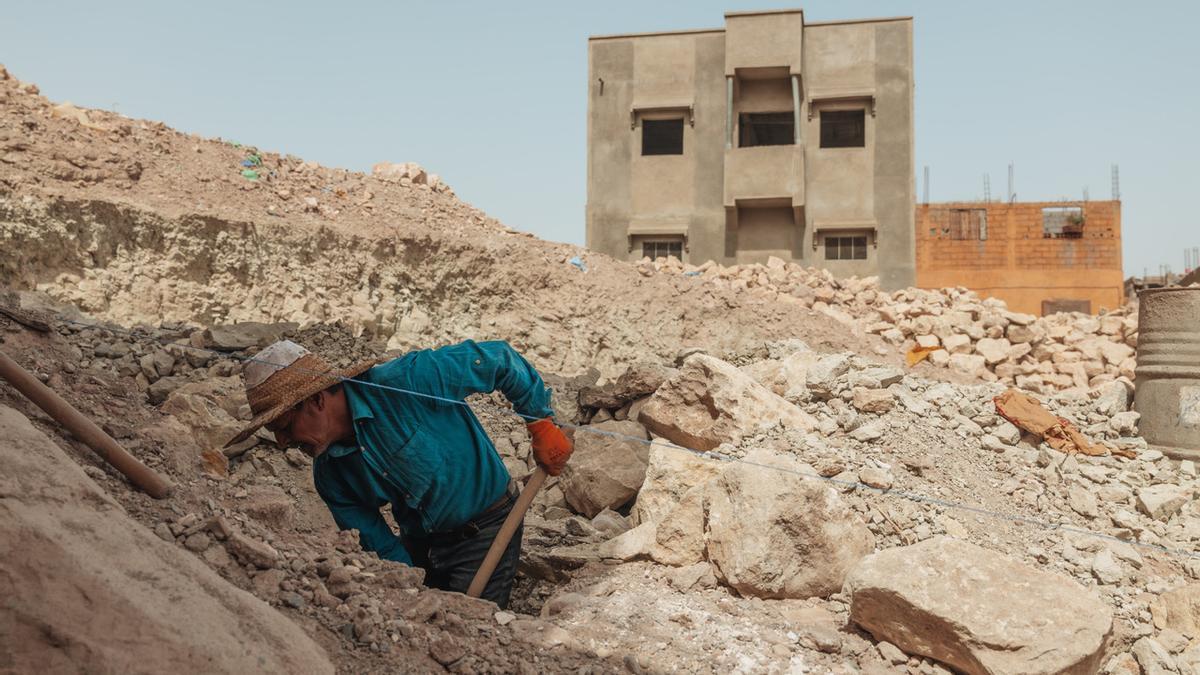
484, 575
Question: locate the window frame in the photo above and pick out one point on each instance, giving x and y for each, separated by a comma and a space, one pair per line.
825, 140
842, 242
745, 126
648, 123
675, 248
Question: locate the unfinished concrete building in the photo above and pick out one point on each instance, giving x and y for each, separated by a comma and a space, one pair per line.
768, 137
1039, 257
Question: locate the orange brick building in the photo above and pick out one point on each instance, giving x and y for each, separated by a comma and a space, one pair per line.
1039, 257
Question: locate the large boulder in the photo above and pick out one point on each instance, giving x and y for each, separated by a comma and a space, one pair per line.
710, 402
607, 467
85, 587
774, 533
671, 473
978, 611
641, 379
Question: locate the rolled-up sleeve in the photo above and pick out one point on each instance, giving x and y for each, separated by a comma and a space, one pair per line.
457, 371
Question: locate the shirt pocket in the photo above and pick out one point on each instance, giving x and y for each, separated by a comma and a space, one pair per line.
412, 466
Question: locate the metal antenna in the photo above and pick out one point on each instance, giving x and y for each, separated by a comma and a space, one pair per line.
1116, 183
925, 197
987, 188
1085, 193
1011, 195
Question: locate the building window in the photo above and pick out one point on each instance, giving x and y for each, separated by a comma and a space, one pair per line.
967, 224
662, 137
1062, 222
846, 248
843, 129
775, 128
662, 249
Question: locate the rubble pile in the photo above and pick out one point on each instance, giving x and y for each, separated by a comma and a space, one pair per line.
976, 336
870, 492
761, 484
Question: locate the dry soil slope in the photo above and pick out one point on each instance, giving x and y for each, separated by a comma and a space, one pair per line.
86, 588
136, 222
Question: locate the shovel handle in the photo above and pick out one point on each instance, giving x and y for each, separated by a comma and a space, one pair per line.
484, 574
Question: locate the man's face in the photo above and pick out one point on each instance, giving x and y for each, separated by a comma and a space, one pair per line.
308, 425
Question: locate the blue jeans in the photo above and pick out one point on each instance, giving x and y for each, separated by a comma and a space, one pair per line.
450, 560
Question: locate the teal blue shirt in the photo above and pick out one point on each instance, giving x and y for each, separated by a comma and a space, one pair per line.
430, 460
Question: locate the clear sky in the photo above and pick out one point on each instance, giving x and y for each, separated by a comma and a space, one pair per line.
492, 95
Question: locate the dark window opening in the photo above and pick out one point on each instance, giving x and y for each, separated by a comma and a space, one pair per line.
662, 137
846, 248
662, 249
766, 129
843, 129
1063, 222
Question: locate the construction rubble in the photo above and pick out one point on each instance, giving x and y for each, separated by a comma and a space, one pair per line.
762, 483
954, 326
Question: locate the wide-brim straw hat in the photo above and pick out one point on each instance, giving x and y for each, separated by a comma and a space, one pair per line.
283, 375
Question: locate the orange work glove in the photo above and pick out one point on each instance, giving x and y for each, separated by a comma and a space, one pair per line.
551, 448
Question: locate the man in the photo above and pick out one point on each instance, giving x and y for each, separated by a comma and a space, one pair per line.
426, 455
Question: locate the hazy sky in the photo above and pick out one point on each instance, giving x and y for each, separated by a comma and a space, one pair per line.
493, 95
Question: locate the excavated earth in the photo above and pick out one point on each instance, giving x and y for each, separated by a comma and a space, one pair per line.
147, 251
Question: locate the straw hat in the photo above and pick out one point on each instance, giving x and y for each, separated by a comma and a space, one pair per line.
283, 375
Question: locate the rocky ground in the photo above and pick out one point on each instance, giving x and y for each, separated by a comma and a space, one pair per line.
760, 484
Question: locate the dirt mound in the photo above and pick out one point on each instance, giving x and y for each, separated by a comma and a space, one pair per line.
188, 238
87, 588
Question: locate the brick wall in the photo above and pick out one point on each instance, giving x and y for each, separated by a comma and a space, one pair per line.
1017, 262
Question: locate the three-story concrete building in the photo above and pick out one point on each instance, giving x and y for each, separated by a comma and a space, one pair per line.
768, 137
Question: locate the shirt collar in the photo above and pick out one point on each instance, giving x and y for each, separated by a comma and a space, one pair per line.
359, 408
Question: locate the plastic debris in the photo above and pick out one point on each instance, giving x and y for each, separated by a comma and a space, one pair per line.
578, 262
1027, 413
919, 354
249, 174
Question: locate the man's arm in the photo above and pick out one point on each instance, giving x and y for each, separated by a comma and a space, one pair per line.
470, 367
374, 534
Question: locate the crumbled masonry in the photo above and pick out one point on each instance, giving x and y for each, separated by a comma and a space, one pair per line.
829, 538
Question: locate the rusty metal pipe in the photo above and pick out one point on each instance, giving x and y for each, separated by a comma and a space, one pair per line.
83, 429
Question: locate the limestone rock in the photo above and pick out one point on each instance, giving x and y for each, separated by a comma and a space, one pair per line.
1162, 501
872, 400
776, 534
671, 473
238, 336
710, 402
1018, 619
641, 379
606, 471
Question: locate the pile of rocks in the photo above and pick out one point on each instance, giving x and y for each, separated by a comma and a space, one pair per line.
806, 514
978, 337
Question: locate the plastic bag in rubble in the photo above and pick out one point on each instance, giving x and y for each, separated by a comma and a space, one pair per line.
1027, 413
919, 354
578, 262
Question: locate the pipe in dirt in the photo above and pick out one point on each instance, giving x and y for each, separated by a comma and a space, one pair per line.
83, 429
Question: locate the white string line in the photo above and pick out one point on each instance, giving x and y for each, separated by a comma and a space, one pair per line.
704, 454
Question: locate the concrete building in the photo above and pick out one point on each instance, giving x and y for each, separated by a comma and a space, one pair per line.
1039, 257
770, 136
